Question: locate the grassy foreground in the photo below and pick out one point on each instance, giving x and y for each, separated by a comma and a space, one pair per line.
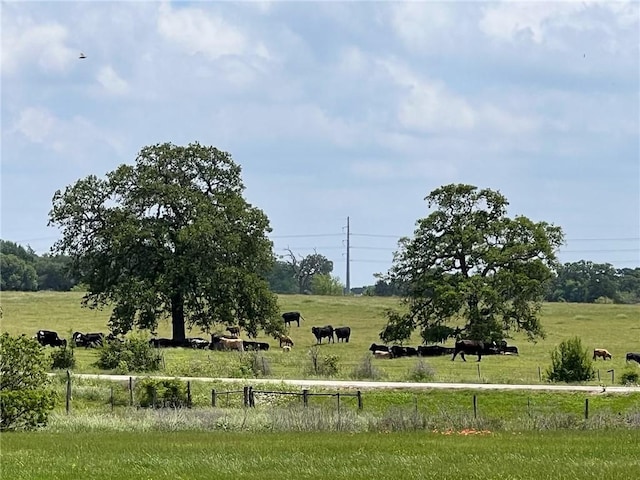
212, 455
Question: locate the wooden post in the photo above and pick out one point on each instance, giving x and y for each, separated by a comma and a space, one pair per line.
68, 403
338, 397
188, 394
529, 405
245, 397
598, 374
586, 408
111, 398
131, 391
612, 372
305, 397
359, 395
252, 399
213, 398
539, 374
475, 406
478, 365
153, 396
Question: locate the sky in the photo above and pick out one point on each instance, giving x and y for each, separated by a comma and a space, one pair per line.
336, 110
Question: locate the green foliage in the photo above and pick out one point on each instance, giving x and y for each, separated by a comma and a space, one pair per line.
255, 364
155, 393
17, 274
53, 273
282, 278
421, 372
398, 328
25, 396
469, 261
306, 268
134, 354
583, 281
630, 376
321, 364
63, 357
326, 284
169, 237
570, 362
366, 370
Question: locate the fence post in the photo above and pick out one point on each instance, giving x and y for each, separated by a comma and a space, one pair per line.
131, 391
213, 398
359, 395
586, 408
305, 397
245, 397
339, 418
153, 396
612, 372
598, 374
475, 406
111, 398
252, 399
68, 403
529, 406
188, 394
479, 377
539, 374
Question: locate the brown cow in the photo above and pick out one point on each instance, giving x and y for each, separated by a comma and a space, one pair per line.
601, 352
232, 344
285, 340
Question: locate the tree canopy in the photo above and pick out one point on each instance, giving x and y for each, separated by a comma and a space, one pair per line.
169, 237
471, 267
306, 268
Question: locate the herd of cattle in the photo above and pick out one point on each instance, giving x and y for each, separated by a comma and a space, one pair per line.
232, 341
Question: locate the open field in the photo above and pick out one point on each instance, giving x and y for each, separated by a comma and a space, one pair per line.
578, 455
615, 327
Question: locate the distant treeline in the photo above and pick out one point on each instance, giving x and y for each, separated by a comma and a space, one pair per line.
581, 282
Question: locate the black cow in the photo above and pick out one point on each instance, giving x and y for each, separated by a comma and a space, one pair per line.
87, 340
471, 347
50, 338
411, 352
398, 351
433, 350
321, 332
343, 333
633, 356
263, 346
510, 350
234, 330
289, 317
255, 346
378, 348
169, 342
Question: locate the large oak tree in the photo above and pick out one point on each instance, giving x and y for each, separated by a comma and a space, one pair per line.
170, 237
471, 270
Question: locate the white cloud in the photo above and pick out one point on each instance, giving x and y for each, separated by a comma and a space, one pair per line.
422, 25
25, 44
36, 124
199, 31
111, 81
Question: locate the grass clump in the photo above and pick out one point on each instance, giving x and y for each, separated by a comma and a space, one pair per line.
366, 370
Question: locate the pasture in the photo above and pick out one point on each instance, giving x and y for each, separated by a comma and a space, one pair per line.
578, 455
614, 327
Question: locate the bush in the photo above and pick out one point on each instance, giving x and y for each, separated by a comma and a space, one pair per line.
630, 377
155, 393
255, 364
421, 372
322, 364
366, 370
63, 358
570, 363
25, 396
132, 355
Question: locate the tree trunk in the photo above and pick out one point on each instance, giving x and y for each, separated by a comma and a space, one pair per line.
177, 316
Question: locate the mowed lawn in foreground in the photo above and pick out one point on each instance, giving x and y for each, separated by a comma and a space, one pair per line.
615, 327
578, 455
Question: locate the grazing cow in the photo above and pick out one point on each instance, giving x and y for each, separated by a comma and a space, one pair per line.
289, 317
286, 348
198, 343
398, 351
380, 354
50, 338
471, 347
342, 333
234, 331
285, 340
434, 350
87, 340
321, 332
633, 356
601, 352
378, 348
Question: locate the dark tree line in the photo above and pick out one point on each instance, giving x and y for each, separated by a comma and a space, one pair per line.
22, 269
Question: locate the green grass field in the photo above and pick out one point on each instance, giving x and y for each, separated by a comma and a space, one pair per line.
615, 327
578, 455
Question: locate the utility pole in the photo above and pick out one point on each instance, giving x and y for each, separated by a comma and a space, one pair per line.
348, 262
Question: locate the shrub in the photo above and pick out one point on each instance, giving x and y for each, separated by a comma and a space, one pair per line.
132, 355
570, 363
630, 377
366, 370
255, 364
155, 393
421, 371
25, 396
63, 357
322, 364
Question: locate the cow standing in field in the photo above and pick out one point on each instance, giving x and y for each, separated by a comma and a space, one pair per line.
470, 347
343, 333
289, 317
285, 340
602, 352
631, 356
321, 332
50, 338
87, 340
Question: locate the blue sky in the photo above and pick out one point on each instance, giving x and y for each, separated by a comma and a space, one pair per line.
336, 110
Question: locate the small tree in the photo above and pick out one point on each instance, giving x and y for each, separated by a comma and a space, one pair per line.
570, 362
25, 396
326, 284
